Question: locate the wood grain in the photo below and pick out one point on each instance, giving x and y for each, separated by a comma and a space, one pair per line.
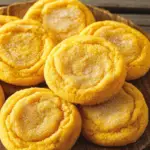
143, 83
20, 7
140, 19
3, 10
2, 2
146, 29
104, 3
121, 3
143, 20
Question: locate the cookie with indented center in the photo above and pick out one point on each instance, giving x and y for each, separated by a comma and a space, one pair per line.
85, 70
64, 17
37, 119
119, 121
134, 46
24, 47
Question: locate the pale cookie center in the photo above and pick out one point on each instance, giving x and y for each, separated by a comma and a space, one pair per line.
20, 50
36, 117
126, 42
113, 114
66, 21
83, 65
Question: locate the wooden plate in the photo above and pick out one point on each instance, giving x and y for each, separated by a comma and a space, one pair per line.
19, 9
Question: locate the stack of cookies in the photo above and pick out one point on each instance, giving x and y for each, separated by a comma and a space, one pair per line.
85, 65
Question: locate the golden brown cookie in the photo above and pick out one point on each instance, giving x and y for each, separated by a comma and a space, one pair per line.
6, 19
119, 121
36, 119
85, 70
134, 46
64, 17
24, 47
2, 96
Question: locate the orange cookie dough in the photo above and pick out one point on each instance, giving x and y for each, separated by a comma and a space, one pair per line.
134, 46
119, 121
85, 70
36, 119
2, 97
24, 47
6, 19
64, 17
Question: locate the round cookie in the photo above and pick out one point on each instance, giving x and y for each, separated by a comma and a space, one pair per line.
2, 96
119, 121
24, 47
37, 119
64, 17
134, 46
85, 70
6, 19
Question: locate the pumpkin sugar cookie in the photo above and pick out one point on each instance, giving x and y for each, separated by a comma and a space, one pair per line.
119, 121
24, 47
134, 46
2, 96
85, 70
6, 19
36, 119
64, 17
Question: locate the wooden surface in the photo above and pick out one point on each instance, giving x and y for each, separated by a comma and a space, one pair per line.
143, 20
104, 3
138, 16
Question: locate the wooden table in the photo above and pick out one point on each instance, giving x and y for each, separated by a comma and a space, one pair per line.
136, 10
